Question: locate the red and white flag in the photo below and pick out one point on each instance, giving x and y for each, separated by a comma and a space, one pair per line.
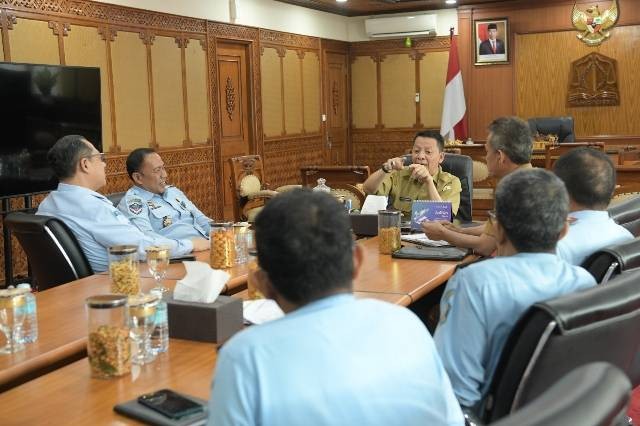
454, 109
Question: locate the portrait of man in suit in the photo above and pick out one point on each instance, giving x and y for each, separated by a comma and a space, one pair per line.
493, 45
491, 37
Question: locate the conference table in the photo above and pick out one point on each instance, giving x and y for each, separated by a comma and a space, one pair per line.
58, 373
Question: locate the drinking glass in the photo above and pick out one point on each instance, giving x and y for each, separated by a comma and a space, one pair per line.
12, 304
158, 262
142, 312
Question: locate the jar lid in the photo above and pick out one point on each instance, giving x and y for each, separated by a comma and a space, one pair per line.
105, 301
221, 224
123, 249
389, 212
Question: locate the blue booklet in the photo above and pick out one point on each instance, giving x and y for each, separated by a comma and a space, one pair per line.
422, 210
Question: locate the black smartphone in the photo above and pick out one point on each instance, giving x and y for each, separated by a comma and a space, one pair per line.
170, 404
179, 259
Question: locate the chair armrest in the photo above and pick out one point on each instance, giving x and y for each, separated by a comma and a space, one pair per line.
265, 193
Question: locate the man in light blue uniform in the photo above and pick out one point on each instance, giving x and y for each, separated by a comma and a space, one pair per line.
94, 221
590, 178
483, 301
332, 359
155, 207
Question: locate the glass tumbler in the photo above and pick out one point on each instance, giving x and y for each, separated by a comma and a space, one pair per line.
12, 312
223, 245
389, 231
123, 269
240, 231
142, 320
109, 344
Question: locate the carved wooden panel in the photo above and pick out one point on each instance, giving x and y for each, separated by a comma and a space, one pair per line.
372, 148
364, 98
398, 76
273, 117
593, 80
167, 92
292, 93
289, 39
197, 92
33, 41
397, 45
283, 158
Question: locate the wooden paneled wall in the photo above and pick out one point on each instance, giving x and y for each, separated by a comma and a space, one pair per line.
386, 76
534, 83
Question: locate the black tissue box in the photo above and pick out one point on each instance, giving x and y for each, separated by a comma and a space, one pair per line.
204, 322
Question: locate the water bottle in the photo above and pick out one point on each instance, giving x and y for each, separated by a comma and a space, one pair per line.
160, 334
321, 186
30, 323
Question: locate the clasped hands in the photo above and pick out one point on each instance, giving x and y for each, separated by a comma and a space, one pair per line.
436, 230
419, 172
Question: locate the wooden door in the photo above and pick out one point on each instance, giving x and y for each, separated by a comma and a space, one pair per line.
337, 109
234, 97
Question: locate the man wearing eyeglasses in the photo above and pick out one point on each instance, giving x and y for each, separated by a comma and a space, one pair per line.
92, 218
156, 207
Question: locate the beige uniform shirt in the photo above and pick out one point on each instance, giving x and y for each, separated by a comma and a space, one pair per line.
488, 226
403, 190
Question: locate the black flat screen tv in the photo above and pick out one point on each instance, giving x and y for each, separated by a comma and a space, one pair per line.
38, 105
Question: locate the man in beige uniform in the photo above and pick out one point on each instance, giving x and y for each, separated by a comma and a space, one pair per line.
422, 180
508, 147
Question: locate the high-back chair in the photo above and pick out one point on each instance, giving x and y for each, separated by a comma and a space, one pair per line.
627, 213
562, 127
612, 260
53, 252
115, 198
556, 336
595, 394
461, 166
250, 192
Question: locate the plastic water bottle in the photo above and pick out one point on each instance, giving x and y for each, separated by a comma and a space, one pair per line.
30, 323
160, 334
321, 186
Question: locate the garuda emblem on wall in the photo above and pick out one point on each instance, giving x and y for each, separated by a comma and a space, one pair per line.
593, 24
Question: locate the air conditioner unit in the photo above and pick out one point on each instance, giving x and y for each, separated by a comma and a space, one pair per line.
401, 26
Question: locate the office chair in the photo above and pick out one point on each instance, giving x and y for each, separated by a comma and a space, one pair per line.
54, 255
595, 394
115, 198
461, 166
625, 211
612, 260
560, 126
557, 336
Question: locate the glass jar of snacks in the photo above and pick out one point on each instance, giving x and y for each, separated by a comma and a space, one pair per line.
123, 269
389, 231
109, 344
223, 245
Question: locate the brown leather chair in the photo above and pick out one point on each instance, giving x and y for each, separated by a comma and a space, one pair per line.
249, 189
349, 192
556, 336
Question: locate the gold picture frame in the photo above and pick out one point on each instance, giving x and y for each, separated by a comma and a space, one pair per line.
491, 39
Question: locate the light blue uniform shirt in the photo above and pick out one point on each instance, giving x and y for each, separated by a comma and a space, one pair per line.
97, 224
481, 304
336, 361
591, 231
171, 214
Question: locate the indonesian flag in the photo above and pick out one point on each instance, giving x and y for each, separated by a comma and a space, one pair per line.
454, 110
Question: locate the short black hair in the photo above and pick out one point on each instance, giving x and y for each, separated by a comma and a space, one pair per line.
589, 175
433, 134
492, 26
512, 135
65, 154
305, 245
532, 207
136, 158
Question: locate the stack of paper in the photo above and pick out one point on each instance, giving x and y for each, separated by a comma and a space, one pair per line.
423, 240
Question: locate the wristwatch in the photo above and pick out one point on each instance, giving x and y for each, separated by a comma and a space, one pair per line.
384, 169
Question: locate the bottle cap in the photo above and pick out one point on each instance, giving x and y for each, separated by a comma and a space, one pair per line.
24, 285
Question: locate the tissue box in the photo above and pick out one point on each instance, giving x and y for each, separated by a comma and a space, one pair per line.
204, 322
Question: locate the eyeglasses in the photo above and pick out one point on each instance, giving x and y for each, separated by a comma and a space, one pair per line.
103, 157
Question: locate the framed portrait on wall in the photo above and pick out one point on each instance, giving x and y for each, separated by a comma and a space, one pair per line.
491, 38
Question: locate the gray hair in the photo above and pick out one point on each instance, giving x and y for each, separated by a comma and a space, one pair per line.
65, 154
532, 206
512, 136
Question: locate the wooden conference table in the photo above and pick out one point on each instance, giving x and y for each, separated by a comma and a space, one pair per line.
187, 367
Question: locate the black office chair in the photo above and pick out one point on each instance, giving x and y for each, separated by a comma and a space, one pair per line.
627, 214
461, 166
53, 252
115, 197
560, 126
556, 336
612, 260
595, 394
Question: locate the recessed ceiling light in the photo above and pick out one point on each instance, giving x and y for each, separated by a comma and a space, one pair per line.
341, 1
450, 2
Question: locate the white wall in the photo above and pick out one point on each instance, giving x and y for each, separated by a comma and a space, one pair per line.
269, 14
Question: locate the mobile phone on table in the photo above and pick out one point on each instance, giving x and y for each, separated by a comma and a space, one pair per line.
170, 404
178, 259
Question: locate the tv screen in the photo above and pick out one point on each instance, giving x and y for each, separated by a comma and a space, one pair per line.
38, 105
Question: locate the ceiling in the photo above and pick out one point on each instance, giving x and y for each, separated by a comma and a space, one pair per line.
372, 7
